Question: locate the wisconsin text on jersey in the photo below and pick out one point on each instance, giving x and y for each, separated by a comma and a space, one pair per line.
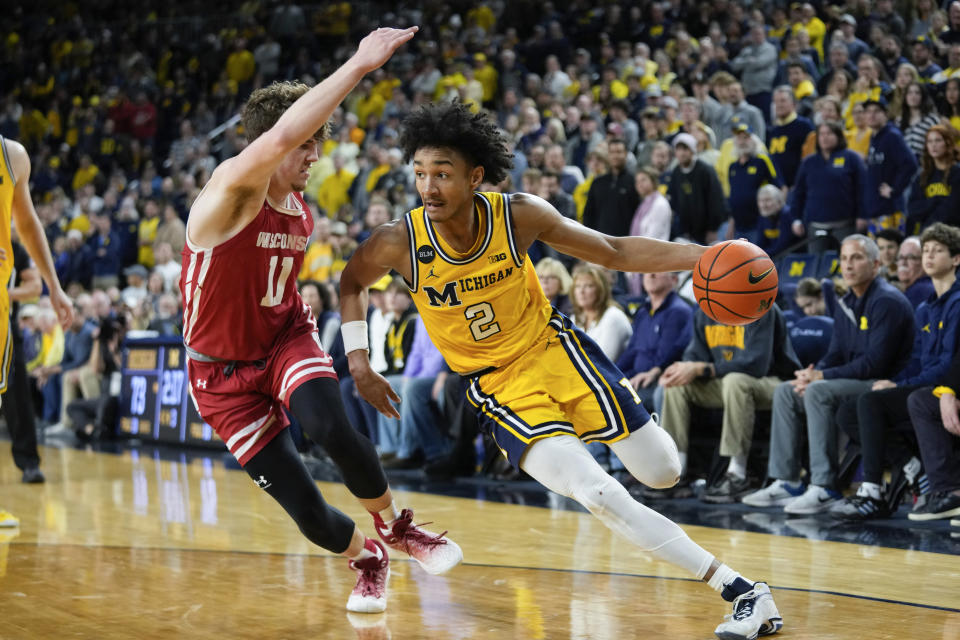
269, 240
449, 292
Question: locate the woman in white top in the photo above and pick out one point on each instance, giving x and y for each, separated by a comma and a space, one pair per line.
597, 314
653, 217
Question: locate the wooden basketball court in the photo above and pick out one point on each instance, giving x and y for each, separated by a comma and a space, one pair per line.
127, 546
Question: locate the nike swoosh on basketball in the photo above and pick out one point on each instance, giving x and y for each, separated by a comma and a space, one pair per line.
755, 279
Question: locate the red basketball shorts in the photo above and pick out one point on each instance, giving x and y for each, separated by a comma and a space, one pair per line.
244, 403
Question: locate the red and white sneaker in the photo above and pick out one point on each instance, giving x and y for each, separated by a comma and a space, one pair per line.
435, 552
370, 593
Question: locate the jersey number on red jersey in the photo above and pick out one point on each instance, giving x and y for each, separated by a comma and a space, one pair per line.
274, 294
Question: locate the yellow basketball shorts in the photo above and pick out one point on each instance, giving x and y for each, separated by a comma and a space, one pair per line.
562, 385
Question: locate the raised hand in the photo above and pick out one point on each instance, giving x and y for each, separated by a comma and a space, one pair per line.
377, 47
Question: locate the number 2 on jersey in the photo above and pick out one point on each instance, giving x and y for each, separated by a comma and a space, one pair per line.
483, 324
274, 293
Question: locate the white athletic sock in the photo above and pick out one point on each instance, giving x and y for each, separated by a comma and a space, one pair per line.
738, 466
683, 462
723, 576
370, 550
389, 514
869, 489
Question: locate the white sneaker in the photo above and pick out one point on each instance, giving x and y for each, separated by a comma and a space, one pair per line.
814, 500
754, 614
370, 593
777, 494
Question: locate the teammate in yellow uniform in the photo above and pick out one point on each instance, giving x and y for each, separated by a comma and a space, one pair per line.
541, 386
16, 206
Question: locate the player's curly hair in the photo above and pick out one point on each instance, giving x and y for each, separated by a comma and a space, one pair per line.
265, 106
452, 125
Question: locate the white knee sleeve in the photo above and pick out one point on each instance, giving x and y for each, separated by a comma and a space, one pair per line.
563, 465
651, 456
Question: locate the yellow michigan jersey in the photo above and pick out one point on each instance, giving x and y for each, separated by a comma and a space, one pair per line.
483, 308
534, 375
7, 184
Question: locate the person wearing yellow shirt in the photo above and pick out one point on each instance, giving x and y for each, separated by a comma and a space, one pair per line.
333, 192
596, 165
858, 136
814, 27
240, 63
47, 362
369, 103
147, 232
450, 83
86, 173
318, 260
487, 74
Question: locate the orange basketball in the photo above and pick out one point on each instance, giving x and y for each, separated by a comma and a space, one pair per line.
735, 282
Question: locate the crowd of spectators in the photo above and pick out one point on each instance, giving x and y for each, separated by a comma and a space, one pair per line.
830, 123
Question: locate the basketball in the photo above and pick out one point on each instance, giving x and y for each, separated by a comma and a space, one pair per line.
735, 282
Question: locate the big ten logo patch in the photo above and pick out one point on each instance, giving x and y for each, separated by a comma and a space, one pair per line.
493, 258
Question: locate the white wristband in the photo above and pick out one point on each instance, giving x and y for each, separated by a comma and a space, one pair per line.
355, 336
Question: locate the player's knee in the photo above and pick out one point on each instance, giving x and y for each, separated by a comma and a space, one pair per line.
665, 473
597, 494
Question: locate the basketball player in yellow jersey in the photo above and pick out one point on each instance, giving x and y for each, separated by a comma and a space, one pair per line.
16, 206
541, 387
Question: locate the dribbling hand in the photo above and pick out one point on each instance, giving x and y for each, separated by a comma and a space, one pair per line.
375, 389
377, 47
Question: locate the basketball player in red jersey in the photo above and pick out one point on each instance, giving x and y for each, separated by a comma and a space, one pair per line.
252, 342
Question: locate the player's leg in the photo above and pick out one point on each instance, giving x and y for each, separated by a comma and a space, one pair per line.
563, 465
278, 470
317, 404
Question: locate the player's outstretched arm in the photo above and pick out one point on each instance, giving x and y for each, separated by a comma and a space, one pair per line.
535, 219
237, 187
31, 232
386, 250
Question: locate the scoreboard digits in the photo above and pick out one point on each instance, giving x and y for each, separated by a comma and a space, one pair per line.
155, 402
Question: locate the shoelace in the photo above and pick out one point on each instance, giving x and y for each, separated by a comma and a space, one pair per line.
744, 606
405, 531
369, 578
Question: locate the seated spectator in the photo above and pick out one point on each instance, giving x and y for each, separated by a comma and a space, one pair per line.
911, 279
95, 417
136, 289
317, 296
884, 409
167, 266
421, 393
734, 368
46, 367
168, 320
809, 297
935, 414
866, 345
828, 195
889, 241
775, 224
397, 345
556, 282
595, 311
662, 329
653, 217
935, 196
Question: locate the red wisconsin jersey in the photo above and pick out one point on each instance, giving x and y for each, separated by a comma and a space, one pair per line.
240, 297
